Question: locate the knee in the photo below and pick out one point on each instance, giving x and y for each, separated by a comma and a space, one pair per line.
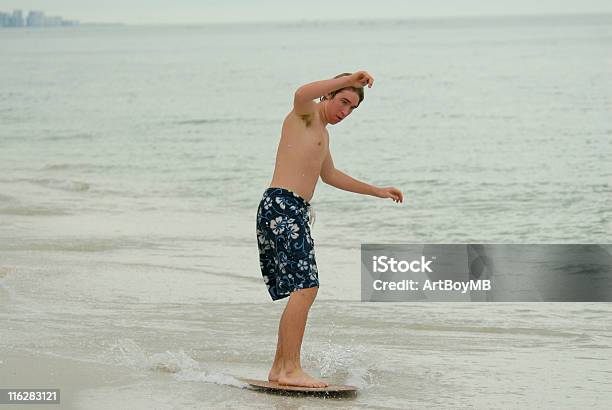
307, 295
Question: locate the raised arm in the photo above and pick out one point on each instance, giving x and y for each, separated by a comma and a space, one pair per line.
304, 96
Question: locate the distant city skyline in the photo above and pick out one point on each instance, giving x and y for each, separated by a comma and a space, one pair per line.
218, 11
34, 18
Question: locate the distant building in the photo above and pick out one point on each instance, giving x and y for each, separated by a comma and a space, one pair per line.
53, 21
18, 18
34, 19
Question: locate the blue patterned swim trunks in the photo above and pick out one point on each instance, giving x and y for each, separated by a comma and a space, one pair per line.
286, 247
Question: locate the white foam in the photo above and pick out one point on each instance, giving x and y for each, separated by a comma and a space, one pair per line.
349, 363
216, 378
183, 366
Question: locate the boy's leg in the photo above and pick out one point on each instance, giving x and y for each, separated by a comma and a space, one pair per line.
277, 365
291, 333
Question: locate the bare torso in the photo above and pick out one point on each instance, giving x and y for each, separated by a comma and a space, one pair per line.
301, 151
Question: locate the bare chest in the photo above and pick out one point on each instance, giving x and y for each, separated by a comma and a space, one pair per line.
309, 142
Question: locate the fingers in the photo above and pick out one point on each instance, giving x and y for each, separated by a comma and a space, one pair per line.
366, 79
400, 195
396, 195
391, 193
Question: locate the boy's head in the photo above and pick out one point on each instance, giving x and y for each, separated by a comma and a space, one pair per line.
340, 103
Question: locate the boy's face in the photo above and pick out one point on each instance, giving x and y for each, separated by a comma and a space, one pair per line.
340, 107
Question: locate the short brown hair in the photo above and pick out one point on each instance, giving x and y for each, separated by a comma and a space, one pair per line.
358, 90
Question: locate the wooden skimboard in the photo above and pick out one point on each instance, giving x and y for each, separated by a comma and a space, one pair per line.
273, 387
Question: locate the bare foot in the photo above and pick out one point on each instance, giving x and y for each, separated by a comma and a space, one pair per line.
300, 378
274, 374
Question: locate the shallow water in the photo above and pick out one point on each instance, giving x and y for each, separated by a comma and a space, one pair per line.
132, 160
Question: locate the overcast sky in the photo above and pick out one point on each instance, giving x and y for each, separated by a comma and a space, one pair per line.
207, 11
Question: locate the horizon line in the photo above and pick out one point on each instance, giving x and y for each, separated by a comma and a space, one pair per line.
355, 19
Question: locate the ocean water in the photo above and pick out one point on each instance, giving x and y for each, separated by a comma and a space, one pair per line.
132, 161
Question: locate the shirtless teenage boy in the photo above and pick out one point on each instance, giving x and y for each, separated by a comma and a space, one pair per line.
286, 248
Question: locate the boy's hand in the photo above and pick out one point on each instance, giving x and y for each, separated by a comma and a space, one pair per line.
390, 192
361, 79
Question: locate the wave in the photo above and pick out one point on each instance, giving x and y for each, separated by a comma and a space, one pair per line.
62, 184
77, 136
32, 211
12, 206
203, 121
498, 330
76, 245
77, 166
53, 183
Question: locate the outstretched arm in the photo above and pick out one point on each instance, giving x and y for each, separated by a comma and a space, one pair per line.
331, 176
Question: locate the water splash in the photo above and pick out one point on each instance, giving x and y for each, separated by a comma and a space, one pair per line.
216, 378
348, 364
180, 364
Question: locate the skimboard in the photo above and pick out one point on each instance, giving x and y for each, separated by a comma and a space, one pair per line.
273, 387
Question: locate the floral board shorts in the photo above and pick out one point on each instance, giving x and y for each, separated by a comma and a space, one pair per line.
286, 248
